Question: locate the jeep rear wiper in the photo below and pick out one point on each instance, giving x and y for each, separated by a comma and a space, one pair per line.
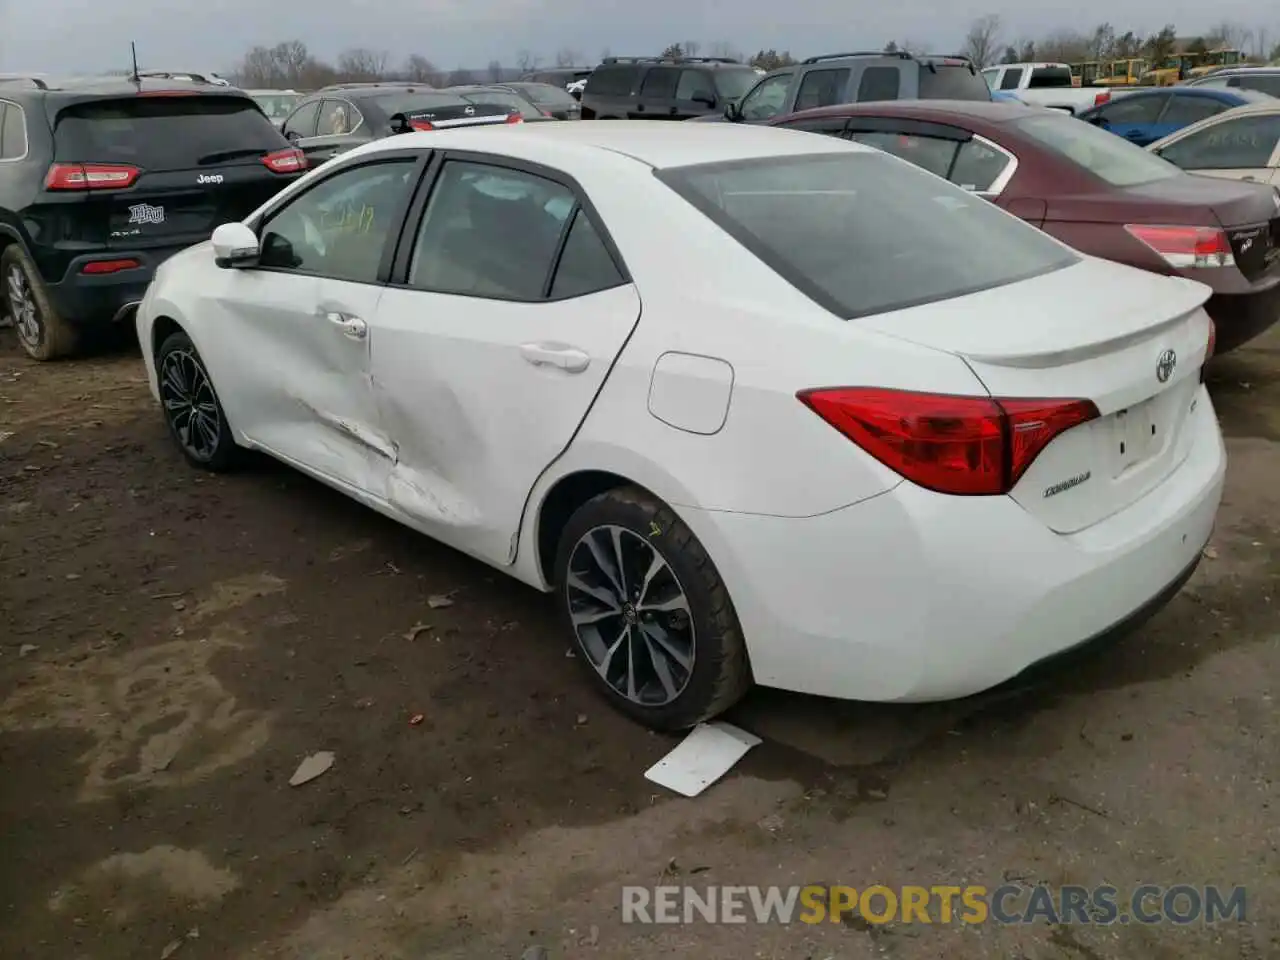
223, 155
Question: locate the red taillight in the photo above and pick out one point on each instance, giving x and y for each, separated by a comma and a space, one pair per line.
1101, 98
421, 126
1186, 247
515, 118
286, 161
109, 266
90, 176
969, 446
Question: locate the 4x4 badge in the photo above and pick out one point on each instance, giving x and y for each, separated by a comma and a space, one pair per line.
145, 213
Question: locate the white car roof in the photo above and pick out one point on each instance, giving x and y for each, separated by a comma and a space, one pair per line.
653, 144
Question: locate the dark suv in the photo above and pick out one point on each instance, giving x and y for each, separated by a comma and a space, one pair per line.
651, 88
856, 78
102, 179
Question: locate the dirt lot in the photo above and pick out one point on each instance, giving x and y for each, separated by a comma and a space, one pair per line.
172, 645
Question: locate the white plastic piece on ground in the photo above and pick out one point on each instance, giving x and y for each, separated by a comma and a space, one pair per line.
703, 757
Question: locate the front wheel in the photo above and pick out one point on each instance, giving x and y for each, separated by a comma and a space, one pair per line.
651, 619
191, 408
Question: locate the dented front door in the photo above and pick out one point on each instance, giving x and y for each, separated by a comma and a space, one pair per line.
302, 387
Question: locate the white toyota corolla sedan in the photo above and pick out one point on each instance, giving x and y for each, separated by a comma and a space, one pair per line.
756, 405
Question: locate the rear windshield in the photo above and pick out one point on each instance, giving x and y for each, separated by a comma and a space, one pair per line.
950, 82
733, 84
549, 96
1042, 77
1108, 157
862, 232
164, 133
503, 98
394, 103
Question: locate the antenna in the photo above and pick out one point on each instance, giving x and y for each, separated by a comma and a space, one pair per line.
133, 49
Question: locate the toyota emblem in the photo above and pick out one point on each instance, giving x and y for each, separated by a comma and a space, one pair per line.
469, 111
1165, 366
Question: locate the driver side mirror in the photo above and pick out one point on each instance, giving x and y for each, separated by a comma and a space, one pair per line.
235, 246
732, 111
293, 136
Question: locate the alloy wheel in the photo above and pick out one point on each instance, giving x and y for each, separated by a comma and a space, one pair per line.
190, 404
630, 615
22, 304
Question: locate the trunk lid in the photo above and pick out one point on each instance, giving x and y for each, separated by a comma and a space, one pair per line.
199, 157
1248, 212
1099, 331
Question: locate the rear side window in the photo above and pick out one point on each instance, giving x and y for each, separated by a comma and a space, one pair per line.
660, 82
164, 133
1243, 143
1186, 110
928, 153
585, 265
879, 83
695, 85
1111, 159
1012, 77
821, 88
1045, 77
13, 132
861, 233
612, 81
939, 81
1269, 84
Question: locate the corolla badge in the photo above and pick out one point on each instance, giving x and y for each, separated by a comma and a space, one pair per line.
1165, 366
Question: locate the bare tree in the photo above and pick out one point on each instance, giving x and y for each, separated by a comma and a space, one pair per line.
1227, 34
460, 76
568, 58
913, 47
526, 62
723, 48
1102, 42
360, 64
691, 48
418, 69
982, 42
673, 52
495, 71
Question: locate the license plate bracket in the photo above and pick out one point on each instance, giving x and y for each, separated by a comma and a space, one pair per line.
1135, 436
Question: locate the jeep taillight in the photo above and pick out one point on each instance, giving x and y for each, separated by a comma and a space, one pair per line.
90, 176
291, 160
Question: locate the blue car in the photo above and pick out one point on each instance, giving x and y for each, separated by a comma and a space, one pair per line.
1145, 116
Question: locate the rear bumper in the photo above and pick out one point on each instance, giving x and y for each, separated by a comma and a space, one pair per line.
103, 299
1240, 317
913, 596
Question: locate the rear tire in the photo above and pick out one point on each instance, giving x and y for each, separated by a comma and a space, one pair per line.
42, 332
651, 618
191, 408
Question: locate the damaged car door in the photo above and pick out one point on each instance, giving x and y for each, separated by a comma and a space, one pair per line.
507, 309
296, 326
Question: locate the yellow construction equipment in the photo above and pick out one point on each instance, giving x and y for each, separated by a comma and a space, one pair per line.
1122, 73
1215, 60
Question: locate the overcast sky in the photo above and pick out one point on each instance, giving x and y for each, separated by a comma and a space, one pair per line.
65, 35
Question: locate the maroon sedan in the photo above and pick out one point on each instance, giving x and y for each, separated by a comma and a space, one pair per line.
1091, 189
